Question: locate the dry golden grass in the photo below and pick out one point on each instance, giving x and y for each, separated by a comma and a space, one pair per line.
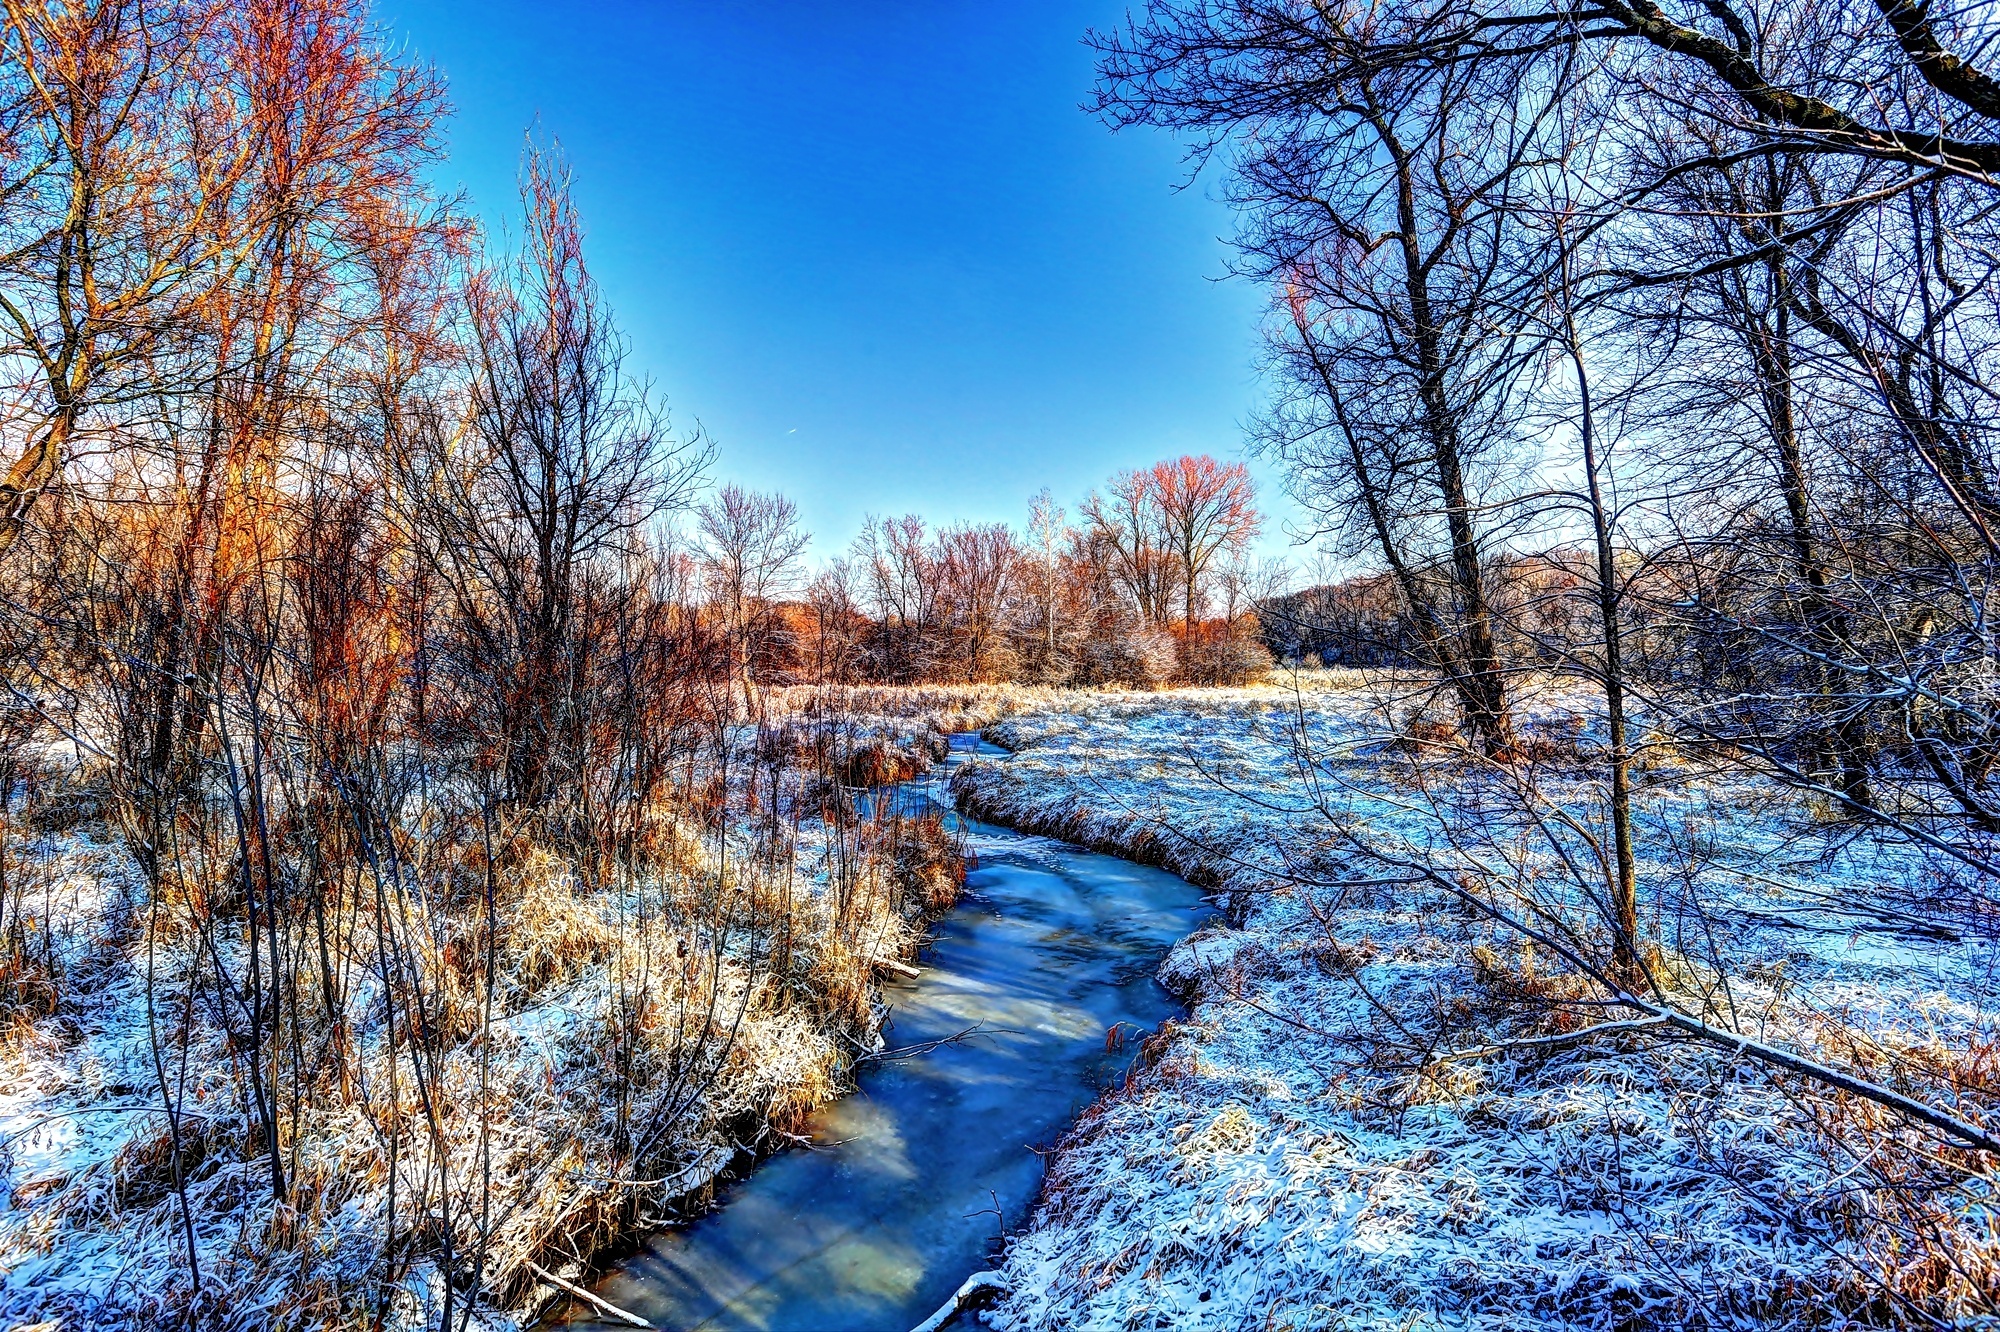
707, 974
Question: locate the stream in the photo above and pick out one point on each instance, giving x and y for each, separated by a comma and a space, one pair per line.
911, 1181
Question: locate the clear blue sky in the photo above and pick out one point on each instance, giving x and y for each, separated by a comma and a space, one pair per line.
874, 248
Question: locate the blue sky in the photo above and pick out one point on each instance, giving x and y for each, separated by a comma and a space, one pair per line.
874, 248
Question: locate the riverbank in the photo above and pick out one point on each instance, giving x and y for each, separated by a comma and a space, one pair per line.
1305, 1150
526, 1096
1021, 1014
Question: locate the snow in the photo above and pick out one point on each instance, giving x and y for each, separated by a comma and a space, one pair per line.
1279, 1160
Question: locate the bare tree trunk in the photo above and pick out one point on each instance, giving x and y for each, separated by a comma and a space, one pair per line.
1479, 680
1622, 884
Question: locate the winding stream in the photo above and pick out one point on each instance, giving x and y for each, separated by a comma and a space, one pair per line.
913, 1178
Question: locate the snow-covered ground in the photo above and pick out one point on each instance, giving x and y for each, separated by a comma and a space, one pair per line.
1329, 1139
1304, 1151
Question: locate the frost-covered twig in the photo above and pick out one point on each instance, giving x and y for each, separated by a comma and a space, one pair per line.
925, 1047
1543, 1042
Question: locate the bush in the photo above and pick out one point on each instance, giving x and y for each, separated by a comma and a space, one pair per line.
1141, 658
1220, 657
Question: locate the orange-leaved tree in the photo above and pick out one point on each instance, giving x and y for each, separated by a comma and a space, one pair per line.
1206, 509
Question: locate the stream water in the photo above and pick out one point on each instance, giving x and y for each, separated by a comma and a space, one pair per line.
911, 1180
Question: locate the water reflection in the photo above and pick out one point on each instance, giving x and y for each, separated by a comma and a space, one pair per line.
916, 1173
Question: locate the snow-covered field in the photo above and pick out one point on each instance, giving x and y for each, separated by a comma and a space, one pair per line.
1347, 1132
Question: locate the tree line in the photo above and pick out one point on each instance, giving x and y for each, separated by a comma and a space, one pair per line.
1153, 582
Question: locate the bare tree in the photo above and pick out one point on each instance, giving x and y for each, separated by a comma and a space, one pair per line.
900, 573
1048, 529
979, 564
838, 624
1381, 197
751, 544
1127, 521
561, 458
123, 186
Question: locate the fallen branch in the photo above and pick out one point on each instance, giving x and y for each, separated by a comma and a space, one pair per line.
603, 1305
977, 1289
1944, 1122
